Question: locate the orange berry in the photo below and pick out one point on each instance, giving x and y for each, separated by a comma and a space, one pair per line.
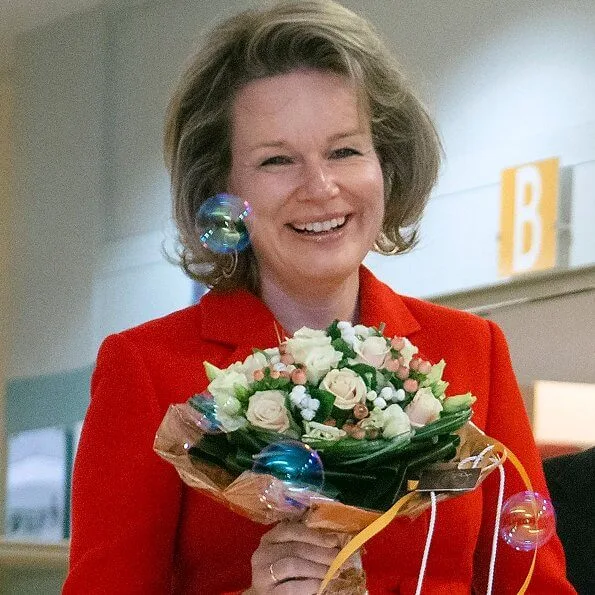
360, 411
358, 433
287, 359
298, 376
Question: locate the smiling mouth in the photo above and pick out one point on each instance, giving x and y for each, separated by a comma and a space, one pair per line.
319, 227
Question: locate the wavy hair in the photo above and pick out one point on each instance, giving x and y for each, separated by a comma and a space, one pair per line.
275, 40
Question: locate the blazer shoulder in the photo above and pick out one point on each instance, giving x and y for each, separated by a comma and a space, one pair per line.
179, 326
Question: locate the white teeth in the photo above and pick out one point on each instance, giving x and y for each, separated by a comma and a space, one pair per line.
318, 226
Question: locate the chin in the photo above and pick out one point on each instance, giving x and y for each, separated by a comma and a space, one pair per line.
328, 271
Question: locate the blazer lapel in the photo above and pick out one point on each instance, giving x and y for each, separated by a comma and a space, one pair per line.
380, 304
238, 319
241, 320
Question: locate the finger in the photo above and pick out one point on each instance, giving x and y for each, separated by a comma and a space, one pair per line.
294, 549
297, 568
304, 587
287, 531
299, 549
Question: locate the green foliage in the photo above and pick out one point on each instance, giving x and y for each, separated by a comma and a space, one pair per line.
448, 422
242, 393
268, 383
326, 403
333, 330
344, 347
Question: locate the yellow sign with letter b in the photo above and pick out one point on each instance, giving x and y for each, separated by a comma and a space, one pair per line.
528, 217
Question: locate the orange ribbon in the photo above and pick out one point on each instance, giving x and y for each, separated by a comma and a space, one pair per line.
385, 519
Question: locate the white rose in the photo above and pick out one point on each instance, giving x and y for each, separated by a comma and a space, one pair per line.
408, 351
303, 341
349, 389
424, 408
374, 420
253, 362
318, 431
361, 330
396, 422
266, 409
222, 386
313, 349
372, 351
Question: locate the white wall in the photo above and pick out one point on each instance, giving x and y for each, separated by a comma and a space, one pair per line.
59, 223
509, 82
6, 305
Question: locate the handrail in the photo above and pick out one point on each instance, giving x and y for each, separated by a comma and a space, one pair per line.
26, 554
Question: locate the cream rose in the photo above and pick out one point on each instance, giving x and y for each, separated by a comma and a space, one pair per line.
253, 362
313, 349
424, 408
223, 385
372, 351
349, 389
266, 409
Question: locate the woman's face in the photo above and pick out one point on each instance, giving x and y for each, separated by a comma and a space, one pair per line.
303, 157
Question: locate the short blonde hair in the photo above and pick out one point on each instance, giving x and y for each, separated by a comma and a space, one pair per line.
259, 43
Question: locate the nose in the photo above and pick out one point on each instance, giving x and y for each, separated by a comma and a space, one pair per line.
319, 183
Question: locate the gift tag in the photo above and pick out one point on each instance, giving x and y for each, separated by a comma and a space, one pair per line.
448, 480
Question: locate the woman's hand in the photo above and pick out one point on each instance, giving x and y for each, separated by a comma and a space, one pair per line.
292, 559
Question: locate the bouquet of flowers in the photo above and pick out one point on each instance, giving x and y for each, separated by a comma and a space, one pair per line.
372, 410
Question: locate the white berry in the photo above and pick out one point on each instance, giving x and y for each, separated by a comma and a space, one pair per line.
386, 393
308, 414
298, 389
313, 404
380, 403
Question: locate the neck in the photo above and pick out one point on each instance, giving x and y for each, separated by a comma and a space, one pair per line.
295, 307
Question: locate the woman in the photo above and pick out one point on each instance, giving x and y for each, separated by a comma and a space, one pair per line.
300, 110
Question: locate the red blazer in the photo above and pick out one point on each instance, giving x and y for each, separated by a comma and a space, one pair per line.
137, 529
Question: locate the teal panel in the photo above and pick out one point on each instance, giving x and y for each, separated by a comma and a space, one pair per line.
52, 400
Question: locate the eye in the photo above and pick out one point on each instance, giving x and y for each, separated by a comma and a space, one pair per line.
276, 160
344, 152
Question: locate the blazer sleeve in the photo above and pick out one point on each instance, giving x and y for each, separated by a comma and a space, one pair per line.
126, 500
507, 421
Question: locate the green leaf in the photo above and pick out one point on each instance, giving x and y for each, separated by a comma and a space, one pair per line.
438, 388
268, 383
333, 330
242, 393
385, 449
326, 403
458, 403
211, 370
344, 347
447, 423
